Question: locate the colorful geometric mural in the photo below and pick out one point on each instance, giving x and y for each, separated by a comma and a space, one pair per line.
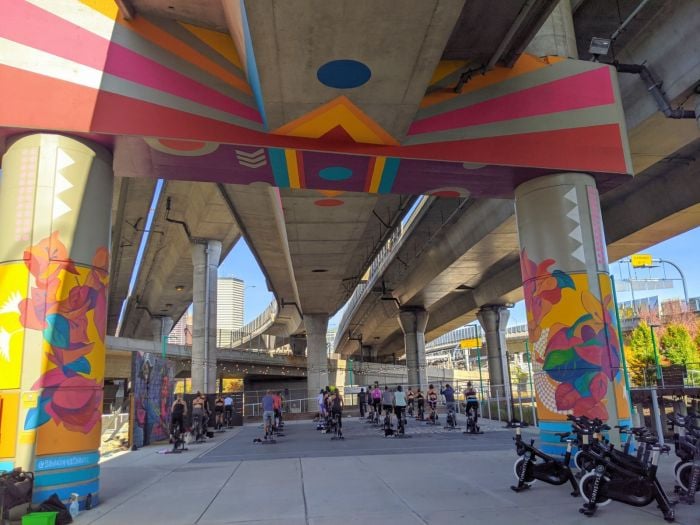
574, 337
152, 387
188, 93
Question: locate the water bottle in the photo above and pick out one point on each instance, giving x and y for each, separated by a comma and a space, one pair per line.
74, 507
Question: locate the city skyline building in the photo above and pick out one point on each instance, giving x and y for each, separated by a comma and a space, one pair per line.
229, 308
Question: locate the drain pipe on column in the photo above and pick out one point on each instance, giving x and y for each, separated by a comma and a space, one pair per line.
206, 319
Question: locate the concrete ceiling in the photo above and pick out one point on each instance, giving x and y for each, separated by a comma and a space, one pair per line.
632, 224
130, 204
400, 41
332, 246
204, 13
167, 259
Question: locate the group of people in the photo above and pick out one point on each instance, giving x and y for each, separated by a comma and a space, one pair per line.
330, 411
373, 402
202, 416
272, 403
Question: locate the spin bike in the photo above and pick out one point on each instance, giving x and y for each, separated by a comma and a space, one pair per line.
632, 482
421, 410
686, 439
472, 420
433, 416
335, 427
451, 419
533, 464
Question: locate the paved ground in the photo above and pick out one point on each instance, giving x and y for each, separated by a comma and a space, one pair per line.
435, 477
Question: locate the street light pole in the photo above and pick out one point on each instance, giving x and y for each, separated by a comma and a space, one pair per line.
659, 375
680, 272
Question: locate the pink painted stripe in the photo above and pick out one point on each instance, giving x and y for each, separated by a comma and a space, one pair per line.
27, 24
583, 90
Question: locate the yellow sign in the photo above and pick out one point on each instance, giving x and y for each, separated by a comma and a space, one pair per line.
474, 342
641, 260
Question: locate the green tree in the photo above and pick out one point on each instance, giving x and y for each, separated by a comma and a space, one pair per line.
639, 352
679, 347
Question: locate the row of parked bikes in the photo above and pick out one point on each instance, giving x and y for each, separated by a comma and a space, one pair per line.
600, 473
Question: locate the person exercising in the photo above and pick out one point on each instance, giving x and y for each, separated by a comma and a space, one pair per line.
410, 398
228, 410
420, 405
198, 407
178, 413
219, 412
400, 404
337, 412
472, 400
432, 402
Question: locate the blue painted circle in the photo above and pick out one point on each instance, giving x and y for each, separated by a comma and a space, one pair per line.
343, 74
335, 173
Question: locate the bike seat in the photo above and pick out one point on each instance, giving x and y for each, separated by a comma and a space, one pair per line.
622, 427
562, 434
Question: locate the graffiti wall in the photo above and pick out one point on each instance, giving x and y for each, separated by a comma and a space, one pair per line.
152, 387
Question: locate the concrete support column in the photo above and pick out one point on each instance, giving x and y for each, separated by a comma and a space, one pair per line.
573, 333
316, 352
556, 37
373, 354
413, 323
494, 320
55, 207
205, 259
161, 327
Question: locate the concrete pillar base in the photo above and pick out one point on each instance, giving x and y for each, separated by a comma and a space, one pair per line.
494, 320
316, 352
205, 259
413, 323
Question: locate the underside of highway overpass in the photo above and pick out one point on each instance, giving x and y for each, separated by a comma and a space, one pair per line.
312, 141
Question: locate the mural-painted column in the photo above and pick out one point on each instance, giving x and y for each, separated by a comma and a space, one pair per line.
568, 296
316, 353
55, 204
413, 323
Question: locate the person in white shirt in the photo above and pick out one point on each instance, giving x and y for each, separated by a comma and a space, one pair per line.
399, 403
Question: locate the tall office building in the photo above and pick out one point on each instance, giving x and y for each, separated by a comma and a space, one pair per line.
229, 309
181, 334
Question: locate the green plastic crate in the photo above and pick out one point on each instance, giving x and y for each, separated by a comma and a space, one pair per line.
39, 518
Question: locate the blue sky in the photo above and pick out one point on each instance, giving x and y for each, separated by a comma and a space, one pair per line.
684, 250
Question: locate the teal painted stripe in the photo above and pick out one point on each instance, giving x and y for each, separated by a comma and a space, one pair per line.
67, 461
6, 465
71, 476
251, 65
64, 493
391, 168
279, 167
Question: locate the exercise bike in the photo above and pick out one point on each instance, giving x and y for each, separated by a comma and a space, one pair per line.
451, 419
634, 485
177, 438
421, 412
686, 439
472, 422
335, 428
533, 464
433, 417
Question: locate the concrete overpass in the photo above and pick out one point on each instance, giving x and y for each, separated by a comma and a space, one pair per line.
312, 140
461, 255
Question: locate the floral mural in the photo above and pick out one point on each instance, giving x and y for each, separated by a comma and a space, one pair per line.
63, 303
575, 340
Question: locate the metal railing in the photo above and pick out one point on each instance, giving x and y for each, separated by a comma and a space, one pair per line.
379, 264
255, 328
454, 337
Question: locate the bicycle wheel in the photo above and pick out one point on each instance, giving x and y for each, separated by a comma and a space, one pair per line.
684, 475
517, 469
586, 485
